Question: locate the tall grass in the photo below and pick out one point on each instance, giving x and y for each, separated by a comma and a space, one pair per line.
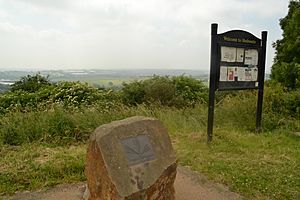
59, 125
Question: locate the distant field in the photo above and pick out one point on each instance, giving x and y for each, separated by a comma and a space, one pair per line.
99, 81
109, 82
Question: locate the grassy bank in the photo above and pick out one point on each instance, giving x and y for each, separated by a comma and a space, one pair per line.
257, 166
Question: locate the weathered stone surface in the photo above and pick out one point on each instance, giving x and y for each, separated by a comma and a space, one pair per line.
131, 159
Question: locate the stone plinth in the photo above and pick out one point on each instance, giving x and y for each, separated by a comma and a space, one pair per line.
131, 159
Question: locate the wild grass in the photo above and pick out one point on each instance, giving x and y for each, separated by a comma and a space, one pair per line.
38, 165
264, 166
50, 146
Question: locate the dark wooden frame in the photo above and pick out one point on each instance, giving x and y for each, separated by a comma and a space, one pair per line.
237, 39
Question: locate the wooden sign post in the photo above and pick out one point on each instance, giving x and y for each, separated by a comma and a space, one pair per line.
237, 62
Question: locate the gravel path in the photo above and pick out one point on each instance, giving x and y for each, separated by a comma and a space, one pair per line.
188, 186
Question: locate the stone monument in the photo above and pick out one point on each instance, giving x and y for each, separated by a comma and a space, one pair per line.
130, 159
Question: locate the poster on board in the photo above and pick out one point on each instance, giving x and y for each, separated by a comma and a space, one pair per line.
231, 73
232, 54
241, 73
251, 57
223, 73
254, 74
228, 54
239, 55
251, 74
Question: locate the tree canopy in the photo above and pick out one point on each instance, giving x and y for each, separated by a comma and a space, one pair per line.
286, 68
31, 83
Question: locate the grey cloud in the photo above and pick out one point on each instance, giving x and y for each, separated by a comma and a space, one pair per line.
124, 33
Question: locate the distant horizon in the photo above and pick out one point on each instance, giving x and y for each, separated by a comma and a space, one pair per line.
267, 71
89, 69
86, 75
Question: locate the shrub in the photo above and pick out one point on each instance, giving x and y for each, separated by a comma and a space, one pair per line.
69, 94
31, 83
159, 89
178, 91
133, 93
74, 94
280, 100
190, 89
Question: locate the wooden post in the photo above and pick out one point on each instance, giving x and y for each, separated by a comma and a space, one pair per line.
261, 81
212, 82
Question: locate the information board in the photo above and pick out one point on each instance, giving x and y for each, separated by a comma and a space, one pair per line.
237, 63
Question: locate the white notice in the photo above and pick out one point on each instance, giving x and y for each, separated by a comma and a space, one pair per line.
241, 73
251, 57
254, 73
251, 73
239, 55
248, 74
223, 73
228, 54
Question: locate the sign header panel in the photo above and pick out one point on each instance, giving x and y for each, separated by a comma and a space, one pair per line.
239, 37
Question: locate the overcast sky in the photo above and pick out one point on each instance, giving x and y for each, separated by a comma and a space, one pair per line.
118, 34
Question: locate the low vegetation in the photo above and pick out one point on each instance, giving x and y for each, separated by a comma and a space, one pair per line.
44, 134
180, 91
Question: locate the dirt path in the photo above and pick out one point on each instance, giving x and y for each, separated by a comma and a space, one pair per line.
188, 186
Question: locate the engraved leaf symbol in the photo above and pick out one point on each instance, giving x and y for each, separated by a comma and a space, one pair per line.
135, 149
146, 149
137, 145
130, 150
